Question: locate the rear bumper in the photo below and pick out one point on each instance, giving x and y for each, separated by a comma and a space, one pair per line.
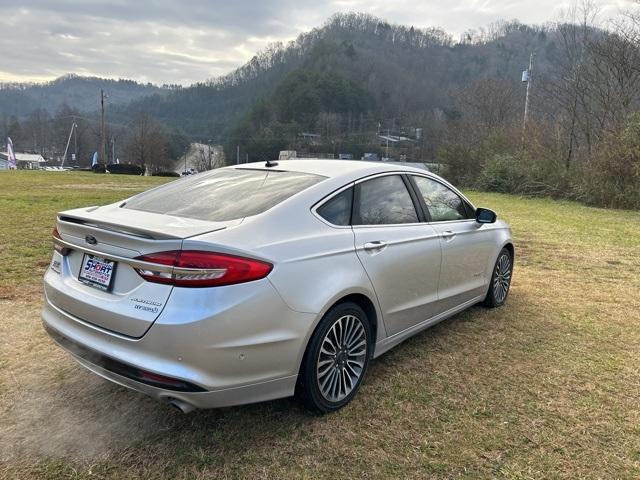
234, 346
257, 392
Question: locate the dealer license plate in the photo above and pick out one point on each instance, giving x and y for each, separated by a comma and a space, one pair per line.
97, 272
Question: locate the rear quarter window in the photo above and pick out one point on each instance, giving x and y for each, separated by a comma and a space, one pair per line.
222, 195
337, 210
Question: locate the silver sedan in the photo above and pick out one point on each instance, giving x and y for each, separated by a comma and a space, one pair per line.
262, 281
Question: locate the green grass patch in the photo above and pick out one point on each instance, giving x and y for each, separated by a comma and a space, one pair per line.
29, 202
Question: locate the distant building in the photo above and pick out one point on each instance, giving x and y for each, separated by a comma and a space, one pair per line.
310, 136
396, 139
429, 167
26, 161
287, 155
316, 156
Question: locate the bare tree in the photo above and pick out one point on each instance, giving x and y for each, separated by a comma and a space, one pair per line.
147, 145
487, 106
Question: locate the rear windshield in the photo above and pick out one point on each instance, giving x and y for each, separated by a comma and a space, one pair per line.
226, 194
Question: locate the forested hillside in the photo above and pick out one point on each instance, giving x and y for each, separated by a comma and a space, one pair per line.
406, 78
82, 93
407, 72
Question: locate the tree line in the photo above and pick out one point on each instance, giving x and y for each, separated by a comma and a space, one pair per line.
581, 140
143, 141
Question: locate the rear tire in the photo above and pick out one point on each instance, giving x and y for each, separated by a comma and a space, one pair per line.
500, 280
336, 359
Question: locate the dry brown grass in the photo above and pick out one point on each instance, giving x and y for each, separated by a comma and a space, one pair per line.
546, 387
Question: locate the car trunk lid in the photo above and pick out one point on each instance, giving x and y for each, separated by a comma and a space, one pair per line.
131, 305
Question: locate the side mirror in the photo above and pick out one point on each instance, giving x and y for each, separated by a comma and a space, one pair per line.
484, 215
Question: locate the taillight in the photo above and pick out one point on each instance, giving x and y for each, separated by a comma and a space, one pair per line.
56, 246
194, 268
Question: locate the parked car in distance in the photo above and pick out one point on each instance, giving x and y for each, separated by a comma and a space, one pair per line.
261, 281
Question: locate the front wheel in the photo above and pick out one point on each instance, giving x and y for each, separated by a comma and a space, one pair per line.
336, 359
500, 280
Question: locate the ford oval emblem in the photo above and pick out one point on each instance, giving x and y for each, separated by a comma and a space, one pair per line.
91, 240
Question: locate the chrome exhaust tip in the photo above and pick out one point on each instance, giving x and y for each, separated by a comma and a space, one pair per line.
183, 407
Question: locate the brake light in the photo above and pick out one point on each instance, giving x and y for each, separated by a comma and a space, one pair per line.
56, 246
194, 268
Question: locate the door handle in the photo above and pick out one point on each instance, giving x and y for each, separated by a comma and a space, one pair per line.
375, 247
448, 235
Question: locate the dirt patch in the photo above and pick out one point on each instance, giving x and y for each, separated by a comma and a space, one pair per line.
51, 407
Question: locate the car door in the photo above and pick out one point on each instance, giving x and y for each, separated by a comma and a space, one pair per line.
466, 244
400, 252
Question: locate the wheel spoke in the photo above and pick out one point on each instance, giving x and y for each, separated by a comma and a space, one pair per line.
357, 339
335, 388
358, 333
327, 379
349, 364
356, 348
351, 330
328, 343
343, 383
324, 367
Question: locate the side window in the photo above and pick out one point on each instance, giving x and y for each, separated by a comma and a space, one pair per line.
443, 204
338, 210
384, 201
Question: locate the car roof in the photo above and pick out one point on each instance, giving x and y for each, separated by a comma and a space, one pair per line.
345, 169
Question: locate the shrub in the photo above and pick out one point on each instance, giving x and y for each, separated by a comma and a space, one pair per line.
166, 174
502, 173
461, 166
612, 178
125, 169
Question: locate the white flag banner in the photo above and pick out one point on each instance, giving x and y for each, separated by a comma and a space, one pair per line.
11, 156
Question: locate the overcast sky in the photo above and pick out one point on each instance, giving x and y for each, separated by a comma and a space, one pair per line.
184, 41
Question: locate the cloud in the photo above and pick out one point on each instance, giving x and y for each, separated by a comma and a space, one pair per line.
169, 41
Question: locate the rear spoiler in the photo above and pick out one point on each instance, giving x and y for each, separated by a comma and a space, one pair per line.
141, 224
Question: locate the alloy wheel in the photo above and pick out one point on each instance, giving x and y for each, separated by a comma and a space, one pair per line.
342, 358
502, 277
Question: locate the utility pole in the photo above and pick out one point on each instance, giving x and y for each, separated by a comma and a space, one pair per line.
75, 140
527, 76
113, 150
66, 149
103, 149
209, 143
387, 144
237, 154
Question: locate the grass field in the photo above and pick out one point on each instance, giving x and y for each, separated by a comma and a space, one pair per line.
546, 387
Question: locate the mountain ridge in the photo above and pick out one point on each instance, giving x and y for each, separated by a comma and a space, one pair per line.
20, 99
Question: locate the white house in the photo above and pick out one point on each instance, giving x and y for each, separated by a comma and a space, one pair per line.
29, 161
